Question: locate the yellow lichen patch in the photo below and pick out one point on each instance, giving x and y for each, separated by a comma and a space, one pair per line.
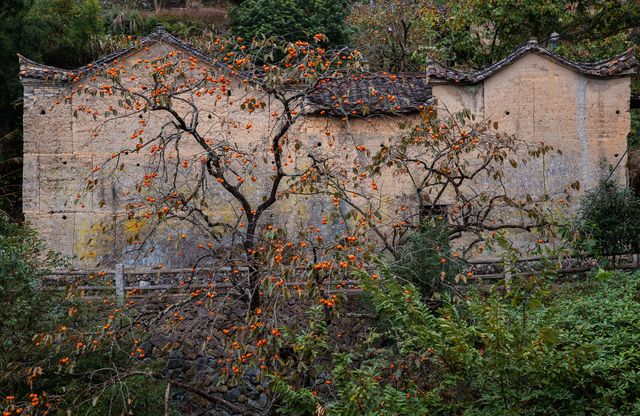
132, 229
93, 239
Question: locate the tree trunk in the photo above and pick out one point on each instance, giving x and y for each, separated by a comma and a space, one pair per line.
254, 270
158, 5
254, 286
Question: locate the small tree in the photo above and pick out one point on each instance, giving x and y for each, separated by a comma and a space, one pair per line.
426, 259
23, 262
609, 222
48, 334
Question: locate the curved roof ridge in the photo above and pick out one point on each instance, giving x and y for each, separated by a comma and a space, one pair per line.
618, 65
32, 69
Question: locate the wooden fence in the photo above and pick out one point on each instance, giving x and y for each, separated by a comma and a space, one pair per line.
119, 284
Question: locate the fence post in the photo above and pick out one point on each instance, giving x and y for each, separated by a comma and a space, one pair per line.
507, 277
120, 283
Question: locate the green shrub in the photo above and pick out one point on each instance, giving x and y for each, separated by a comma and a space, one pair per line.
572, 352
50, 346
57, 31
609, 221
23, 261
426, 260
291, 19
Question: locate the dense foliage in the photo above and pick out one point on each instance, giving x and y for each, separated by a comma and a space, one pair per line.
399, 34
50, 353
567, 351
23, 260
291, 19
609, 220
426, 260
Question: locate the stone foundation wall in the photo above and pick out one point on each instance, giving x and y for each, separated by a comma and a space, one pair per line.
191, 349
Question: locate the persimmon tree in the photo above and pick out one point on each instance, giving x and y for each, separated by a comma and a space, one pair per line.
196, 145
204, 144
449, 168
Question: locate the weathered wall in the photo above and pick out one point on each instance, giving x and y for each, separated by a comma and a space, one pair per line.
453, 98
533, 98
61, 154
536, 99
586, 119
51, 172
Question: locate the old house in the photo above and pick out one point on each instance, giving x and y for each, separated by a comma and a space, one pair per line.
580, 109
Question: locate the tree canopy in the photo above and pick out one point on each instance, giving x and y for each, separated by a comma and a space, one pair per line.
291, 19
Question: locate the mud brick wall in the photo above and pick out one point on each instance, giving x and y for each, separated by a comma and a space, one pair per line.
533, 98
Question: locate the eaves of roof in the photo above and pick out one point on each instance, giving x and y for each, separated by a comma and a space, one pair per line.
621, 65
362, 94
33, 70
370, 94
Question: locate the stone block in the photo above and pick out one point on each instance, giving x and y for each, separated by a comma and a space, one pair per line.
55, 229
47, 122
30, 183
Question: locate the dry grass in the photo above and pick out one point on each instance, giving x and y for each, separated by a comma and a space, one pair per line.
214, 15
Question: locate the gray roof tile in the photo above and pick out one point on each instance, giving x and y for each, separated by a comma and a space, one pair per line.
623, 64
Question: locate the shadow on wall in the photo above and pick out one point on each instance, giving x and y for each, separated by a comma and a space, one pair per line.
633, 165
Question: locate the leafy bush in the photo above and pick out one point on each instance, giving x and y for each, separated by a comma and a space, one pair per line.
23, 260
291, 19
570, 351
50, 349
610, 221
426, 260
58, 30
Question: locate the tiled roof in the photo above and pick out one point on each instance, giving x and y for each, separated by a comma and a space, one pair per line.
365, 94
34, 70
622, 64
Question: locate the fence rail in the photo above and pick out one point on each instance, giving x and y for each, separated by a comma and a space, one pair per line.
121, 286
